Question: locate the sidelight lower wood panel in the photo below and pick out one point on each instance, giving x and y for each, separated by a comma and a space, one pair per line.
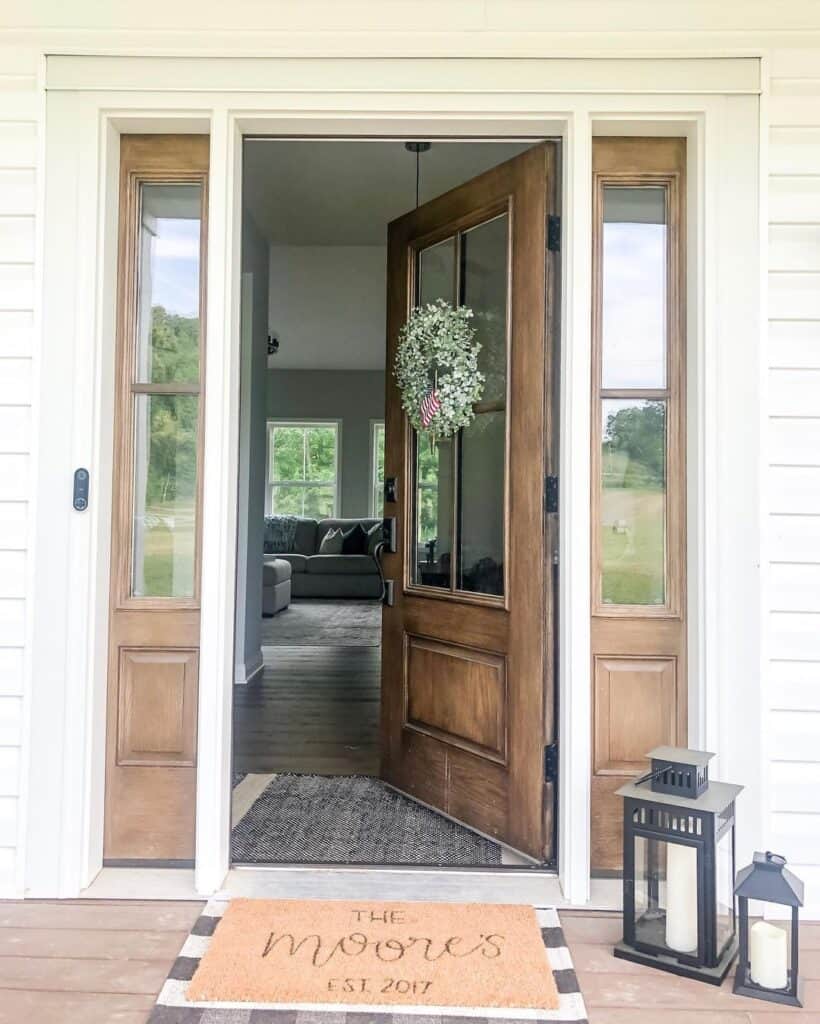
156, 713
153, 642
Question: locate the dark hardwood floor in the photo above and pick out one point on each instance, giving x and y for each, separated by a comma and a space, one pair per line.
313, 710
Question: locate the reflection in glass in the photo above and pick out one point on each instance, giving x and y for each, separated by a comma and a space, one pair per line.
724, 891
437, 272
165, 485
168, 284
666, 894
634, 326
483, 443
633, 502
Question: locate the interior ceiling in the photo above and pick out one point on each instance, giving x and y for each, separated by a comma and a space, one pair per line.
346, 193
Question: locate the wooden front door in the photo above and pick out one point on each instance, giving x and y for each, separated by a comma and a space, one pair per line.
467, 686
155, 544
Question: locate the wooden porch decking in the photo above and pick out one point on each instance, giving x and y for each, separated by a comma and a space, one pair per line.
103, 962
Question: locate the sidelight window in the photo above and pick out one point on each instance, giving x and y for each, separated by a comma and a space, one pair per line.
165, 390
636, 396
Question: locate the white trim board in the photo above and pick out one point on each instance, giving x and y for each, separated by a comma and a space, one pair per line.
68, 705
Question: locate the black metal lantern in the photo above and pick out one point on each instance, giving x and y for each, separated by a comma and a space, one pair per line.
767, 953
679, 867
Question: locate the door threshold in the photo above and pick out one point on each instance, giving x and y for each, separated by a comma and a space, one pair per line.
456, 885
540, 888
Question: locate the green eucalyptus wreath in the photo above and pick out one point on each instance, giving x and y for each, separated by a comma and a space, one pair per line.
437, 352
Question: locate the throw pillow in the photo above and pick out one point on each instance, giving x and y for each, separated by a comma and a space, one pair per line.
374, 538
354, 542
332, 543
279, 534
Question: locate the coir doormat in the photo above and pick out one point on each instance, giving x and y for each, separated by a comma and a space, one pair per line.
288, 961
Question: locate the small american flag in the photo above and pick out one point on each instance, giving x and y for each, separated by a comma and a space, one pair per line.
430, 405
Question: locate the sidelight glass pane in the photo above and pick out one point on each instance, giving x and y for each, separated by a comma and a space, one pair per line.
168, 328
482, 452
633, 502
634, 326
165, 485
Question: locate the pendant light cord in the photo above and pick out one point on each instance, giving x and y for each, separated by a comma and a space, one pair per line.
418, 174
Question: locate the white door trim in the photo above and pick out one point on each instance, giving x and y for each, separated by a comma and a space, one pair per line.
82, 149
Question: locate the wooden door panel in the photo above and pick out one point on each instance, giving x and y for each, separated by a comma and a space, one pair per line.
467, 668
457, 695
156, 722
155, 814
635, 710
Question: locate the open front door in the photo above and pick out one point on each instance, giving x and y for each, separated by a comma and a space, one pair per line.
467, 682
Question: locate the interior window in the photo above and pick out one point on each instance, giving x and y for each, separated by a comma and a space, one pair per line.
303, 469
376, 468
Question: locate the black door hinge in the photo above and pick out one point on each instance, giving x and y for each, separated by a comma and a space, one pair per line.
551, 762
551, 494
554, 232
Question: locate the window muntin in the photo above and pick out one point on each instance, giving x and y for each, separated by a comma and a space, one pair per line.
303, 469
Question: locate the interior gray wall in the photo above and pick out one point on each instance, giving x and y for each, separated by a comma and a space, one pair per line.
353, 396
252, 430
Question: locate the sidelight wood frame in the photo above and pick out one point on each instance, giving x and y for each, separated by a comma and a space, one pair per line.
135, 787
639, 642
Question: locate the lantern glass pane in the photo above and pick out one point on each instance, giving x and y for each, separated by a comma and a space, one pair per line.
666, 895
724, 892
770, 951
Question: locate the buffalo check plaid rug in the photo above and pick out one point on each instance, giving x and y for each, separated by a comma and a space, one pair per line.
173, 1007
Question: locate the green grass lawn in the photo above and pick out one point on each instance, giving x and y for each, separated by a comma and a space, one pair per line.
633, 539
168, 552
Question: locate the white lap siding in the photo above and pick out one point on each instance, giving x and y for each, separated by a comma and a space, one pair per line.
793, 456
19, 105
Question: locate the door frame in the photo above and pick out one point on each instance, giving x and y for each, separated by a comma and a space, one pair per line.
90, 100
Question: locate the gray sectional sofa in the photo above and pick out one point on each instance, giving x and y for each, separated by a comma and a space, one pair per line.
315, 575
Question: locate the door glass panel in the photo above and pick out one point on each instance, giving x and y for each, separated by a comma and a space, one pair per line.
482, 451
633, 502
437, 272
165, 486
434, 512
461, 481
168, 328
634, 318
434, 469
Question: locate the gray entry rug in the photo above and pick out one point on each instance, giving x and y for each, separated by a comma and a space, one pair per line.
310, 622
351, 819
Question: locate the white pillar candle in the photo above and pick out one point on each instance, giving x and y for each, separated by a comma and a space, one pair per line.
769, 955
681, 898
